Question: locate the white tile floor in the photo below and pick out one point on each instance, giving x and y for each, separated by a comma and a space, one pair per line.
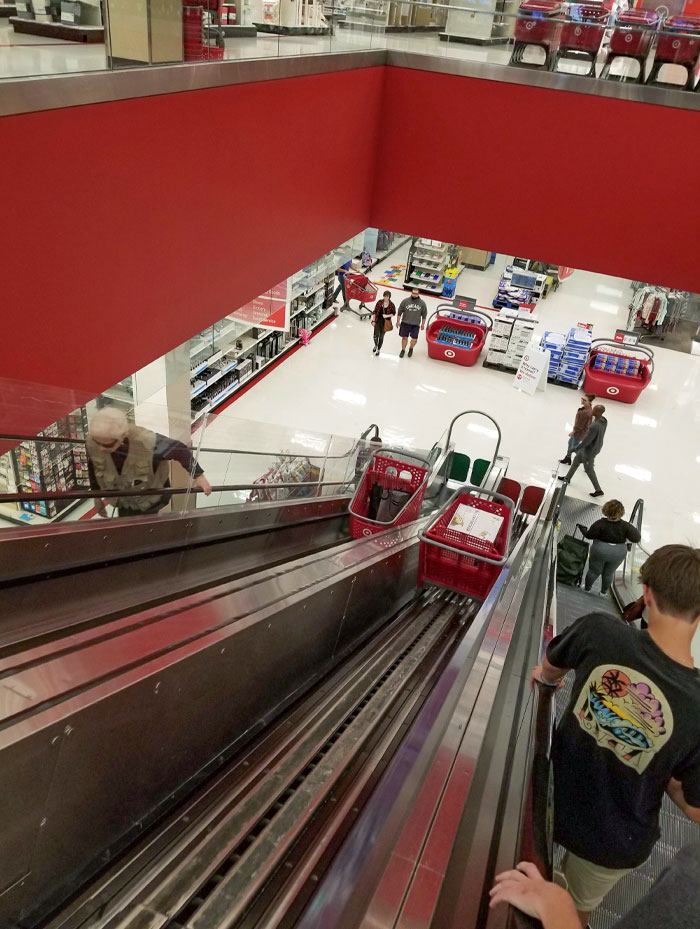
25, 55
652, 449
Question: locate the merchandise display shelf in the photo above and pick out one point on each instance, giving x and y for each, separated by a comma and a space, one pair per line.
433, 269
382, 254
234, 387
212, 380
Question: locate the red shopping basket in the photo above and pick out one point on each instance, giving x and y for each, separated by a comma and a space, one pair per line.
391, 473
457, 337
465, 563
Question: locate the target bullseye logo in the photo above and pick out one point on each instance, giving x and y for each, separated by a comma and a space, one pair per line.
676, 43
449, 353
577, 30
366, 532
530, 25
629, 37
613, 391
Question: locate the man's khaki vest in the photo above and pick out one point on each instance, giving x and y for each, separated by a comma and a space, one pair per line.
137, 470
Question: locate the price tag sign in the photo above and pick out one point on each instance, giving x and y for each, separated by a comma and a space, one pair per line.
465, 304
626, 337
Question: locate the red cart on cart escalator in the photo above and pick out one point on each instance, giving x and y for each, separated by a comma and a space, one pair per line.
467, 544
390, 492
455, 336
617, 373
679, 44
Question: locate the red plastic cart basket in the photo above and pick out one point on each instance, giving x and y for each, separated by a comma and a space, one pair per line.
679, 44
461, 562
446, 346
582, 34
604, 381
538, 23
632, 38
391, 469
359, 287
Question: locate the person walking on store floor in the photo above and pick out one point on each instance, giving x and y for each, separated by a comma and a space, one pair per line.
630, 731
610, 536
411, 317
582, 423
589, 449
381, 320
124, 456
341, 280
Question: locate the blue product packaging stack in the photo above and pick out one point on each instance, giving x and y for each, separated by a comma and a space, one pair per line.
554, 343
575, 355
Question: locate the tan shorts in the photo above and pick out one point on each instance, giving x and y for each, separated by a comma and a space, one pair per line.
588, 883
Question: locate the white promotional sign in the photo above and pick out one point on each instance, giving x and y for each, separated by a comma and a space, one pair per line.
532, 373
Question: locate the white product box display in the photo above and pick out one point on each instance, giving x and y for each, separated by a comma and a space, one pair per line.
476, 523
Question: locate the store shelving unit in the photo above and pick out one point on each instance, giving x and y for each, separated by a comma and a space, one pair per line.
33, 467
389, 16
428, 259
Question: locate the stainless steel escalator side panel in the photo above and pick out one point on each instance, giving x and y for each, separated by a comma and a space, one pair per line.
391, 831
24, 552
110, 746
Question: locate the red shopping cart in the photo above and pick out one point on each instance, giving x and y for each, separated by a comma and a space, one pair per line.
390, 492
618, 374
457, 336
679, 44
632, 38
582, 34
195, 47
538, 24
467, 544
359, 287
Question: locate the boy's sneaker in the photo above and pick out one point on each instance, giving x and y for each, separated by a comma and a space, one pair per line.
410, 353
402, 353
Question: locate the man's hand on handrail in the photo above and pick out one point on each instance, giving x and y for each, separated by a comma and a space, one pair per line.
547, 674
525, 888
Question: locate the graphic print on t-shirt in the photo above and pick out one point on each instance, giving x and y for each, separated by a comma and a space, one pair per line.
625, 712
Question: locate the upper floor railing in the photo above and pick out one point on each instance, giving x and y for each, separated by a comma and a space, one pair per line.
637, 46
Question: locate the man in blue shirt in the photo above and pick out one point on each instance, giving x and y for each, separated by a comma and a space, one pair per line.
341, 280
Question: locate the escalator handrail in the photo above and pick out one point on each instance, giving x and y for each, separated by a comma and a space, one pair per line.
64, 440
156, 492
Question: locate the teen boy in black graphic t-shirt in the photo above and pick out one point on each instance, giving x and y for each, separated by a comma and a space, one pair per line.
631, 731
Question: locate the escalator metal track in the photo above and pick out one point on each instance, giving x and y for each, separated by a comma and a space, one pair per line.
255, 852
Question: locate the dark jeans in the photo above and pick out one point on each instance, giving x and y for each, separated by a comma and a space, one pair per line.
572, 446
379, 334
340, 289
587, 467
604, 560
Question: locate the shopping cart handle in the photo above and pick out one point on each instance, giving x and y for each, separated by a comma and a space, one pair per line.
458, 551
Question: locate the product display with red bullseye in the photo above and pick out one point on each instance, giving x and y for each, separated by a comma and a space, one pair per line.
455, 336
618, 374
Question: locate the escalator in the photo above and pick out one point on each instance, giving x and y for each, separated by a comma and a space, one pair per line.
310, 742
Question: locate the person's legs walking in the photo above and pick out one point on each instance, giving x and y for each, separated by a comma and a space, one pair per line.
379, 336
578, 461
596, 563
413, 345
571, 447
614, 557
588, 467
588, 883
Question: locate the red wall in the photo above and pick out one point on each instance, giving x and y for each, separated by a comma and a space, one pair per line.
587, 182
136, 224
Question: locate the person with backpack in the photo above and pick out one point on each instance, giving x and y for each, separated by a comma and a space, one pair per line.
610, 536
589, 449
630, 732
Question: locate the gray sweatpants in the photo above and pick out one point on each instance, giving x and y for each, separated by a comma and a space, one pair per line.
604, 559
587, 467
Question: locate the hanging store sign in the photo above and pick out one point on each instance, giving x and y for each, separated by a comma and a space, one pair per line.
466, 304
532, 370
270, 310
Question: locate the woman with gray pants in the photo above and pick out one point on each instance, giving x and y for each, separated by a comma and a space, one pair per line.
610, 536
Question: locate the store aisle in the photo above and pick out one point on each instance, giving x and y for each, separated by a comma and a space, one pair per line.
337, 385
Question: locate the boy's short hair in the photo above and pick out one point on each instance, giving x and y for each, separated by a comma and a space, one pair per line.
672, 574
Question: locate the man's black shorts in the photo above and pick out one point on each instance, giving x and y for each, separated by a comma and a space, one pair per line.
405, 331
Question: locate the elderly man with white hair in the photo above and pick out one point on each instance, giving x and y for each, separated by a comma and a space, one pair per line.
124, 456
